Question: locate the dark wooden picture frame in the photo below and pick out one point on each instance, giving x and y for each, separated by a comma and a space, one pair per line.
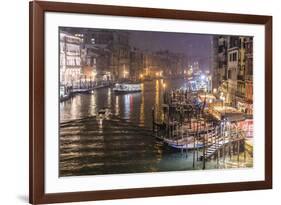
37, 10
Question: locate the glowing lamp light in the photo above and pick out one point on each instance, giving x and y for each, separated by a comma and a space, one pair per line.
125, 73
203, 77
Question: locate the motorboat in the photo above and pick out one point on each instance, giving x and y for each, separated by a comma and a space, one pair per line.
103, 114
127, 87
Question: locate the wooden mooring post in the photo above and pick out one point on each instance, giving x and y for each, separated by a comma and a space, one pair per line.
193, 163
153, 120
244, 145
238, 151
204, 145
198, 127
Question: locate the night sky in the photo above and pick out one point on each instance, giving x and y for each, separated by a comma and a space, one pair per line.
192, 45
196, 47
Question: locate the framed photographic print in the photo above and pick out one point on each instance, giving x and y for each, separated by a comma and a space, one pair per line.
138, 102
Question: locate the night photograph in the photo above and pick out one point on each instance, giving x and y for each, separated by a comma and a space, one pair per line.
147, 101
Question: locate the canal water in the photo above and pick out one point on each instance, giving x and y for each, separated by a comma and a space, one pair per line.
124, 142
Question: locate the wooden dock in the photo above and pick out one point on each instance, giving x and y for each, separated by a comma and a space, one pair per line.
222, 143
185, 126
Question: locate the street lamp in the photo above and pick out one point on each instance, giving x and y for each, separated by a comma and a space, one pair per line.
203, 77
215, 91
125, 72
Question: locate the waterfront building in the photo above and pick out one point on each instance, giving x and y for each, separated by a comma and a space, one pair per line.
169, 64
89, 64
219, 61
111, 50
121, 49
70, 59
136, 63
249, 76
241, 83
233, 71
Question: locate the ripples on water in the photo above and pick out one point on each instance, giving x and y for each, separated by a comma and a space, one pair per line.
121, 144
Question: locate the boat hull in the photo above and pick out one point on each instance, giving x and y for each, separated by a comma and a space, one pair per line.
185, 146
125, 92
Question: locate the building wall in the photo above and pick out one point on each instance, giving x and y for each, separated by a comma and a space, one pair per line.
241, 69
219, 61
136, 63
121, 55
171, 64
233, 70
70, 59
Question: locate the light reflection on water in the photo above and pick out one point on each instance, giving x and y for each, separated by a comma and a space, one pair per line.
92, 108
136, 107
142, 118
122, 144
117, 110
127, 106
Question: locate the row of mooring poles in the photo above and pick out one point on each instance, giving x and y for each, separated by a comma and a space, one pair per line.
186, 142
218, 139
233, 145
221, 150
194, 141
153, 121
238, 149
168, 122
219, 133
198, 136
182, 140
155, 126
204, 144
224, 135
186, 149
244, 144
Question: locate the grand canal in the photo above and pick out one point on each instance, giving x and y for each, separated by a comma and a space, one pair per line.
124, 142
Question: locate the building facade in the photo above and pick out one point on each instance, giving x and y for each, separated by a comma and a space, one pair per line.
220, 55
233, 70
249, 76
70, 59
164, 62
136, 64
